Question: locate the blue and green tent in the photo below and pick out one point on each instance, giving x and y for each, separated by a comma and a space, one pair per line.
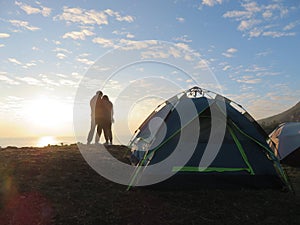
199, 138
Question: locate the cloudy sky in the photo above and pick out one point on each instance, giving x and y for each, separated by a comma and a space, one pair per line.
250, 48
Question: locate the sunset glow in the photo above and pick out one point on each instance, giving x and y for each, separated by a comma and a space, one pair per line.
47, 48
47, 140
47, 113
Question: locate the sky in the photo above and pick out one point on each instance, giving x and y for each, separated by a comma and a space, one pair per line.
56, 54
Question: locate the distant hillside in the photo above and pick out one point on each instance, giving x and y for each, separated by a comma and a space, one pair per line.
290, 115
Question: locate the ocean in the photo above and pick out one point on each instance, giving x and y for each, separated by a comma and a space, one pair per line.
50, 140
39, 141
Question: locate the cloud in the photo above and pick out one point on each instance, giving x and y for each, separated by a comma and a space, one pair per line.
124, 33
252, 7
180, 19
151, 48
227, 55
248, 80
7, 80
175, 52
13, 60
57, 42
24, 65
106, 43
61, 75
255, 20
202, 64
78, 15
154, 50
78, 34
4, 35
283, 11
183, 38
61, 55
155, 54
129, 35
277, 34
27, 65
66, 82
225, 68
229, 52
267, 14
271, 104
184, 46
242, 97
84, 55
264, 53
255, 32
291, 25
252, 74
48, 81
211, 2
131, 45
91, 17
118, 17
255, 69
85, 61
45, 11
248, 24
238, 15
62, 50
30, 81
28, 9
23, 24
232, 50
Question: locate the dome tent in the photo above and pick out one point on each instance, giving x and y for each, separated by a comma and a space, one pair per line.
181, 136
285, 142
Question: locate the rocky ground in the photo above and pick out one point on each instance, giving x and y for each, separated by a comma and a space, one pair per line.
54, 185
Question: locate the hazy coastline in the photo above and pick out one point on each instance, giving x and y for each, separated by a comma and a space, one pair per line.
38, 141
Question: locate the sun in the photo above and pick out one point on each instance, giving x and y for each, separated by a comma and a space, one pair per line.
47, 112
46, 140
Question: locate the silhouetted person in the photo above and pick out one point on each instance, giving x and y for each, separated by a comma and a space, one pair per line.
93, 102
104, 118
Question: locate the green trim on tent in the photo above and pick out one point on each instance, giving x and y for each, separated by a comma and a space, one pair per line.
248, 136
240, 147
274, 159
277, 165
207, 169
276, 162
253, 139
147, 156
175, 133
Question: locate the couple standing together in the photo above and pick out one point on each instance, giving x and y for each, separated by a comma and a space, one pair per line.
101, 118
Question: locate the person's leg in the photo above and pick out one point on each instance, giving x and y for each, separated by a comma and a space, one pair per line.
106, 133
109, 133
92, 131
99, 131
97, 137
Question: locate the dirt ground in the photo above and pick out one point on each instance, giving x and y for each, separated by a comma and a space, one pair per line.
54, 185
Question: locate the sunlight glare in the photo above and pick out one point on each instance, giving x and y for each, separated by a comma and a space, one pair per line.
46, 140
141, 110
48, 113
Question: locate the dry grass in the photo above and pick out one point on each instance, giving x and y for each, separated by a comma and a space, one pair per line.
54, 185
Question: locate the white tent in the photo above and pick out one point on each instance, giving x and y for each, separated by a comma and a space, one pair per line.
286, 138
